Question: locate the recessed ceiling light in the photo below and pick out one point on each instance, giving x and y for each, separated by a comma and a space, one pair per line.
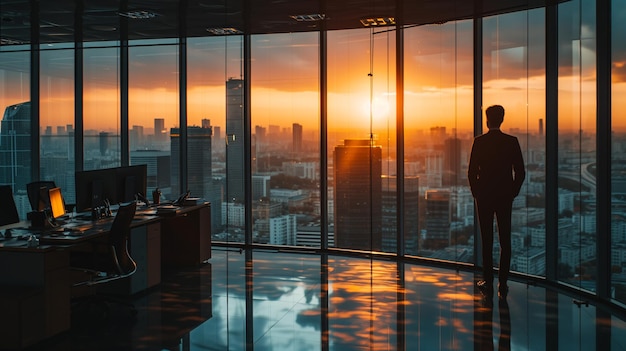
378, 21
224, 31
309, 18
138, 14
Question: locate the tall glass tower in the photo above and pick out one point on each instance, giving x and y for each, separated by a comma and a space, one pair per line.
15, 153
358, 195
235, 137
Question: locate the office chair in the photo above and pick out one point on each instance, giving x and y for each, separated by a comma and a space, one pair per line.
112, 262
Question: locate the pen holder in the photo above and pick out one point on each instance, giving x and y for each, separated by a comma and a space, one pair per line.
156, 196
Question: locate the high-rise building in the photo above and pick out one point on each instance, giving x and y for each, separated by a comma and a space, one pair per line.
157, 169
104, 143
297, 137
199, 171
358, 195
438, 218
235, 147
390, 213
452, 174
15, 152
136, 137
159, 129
261, 133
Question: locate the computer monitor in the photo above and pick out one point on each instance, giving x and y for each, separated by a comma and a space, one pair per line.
131, 180
93, 187
118, 184
8, 210
57, 204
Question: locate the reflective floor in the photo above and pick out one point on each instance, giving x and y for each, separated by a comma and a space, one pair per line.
371, 305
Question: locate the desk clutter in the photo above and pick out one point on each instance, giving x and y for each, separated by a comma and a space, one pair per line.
45, 249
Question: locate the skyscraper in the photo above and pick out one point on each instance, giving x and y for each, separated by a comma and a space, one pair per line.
438, 218
452, 174
390, 213
297, 137
15, 153
104, 143
235, 137
159, 129
358, 195
199, 169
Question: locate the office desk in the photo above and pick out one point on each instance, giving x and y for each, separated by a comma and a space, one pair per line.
144, 246
34, 294
186, 236
35, 281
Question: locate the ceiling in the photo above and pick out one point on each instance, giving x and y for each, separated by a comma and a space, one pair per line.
100, 20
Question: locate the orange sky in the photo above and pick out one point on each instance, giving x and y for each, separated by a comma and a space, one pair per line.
285, 88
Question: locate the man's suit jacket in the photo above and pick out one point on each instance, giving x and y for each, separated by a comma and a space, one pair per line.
496, 167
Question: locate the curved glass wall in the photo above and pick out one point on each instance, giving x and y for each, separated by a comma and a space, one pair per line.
439, 67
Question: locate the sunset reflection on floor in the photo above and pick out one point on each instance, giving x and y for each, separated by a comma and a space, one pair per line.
270, 300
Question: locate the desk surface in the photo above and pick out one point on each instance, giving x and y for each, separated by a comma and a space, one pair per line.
79, 229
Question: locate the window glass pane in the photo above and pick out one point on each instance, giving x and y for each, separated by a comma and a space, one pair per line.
514, 77
101, 108
438, 134
577, 144
618, 161
57, 118
153, 109
285, 139
15, 152
361, 139
207, 142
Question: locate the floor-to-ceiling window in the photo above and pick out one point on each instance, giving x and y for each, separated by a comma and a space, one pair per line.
211, 63
285, 139
438, 70
56, 119
101, 106
618, 149
153, 107
514, 77
361, 139
577, 144
15, 152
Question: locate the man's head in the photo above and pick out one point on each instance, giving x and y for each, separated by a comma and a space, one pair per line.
495, 116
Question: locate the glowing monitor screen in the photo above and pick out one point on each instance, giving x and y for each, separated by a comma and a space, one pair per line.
57, 205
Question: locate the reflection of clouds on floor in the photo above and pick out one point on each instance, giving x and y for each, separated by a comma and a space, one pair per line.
369, 308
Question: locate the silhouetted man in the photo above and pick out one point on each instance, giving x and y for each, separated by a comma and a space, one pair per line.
496, 173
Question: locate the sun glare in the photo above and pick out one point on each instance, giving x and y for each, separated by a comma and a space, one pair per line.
379, 108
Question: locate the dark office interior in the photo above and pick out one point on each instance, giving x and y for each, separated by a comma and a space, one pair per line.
292, 175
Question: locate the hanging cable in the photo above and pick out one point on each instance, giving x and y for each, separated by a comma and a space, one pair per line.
371, 182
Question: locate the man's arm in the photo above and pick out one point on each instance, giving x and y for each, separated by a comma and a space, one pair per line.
472, 170
518, 168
